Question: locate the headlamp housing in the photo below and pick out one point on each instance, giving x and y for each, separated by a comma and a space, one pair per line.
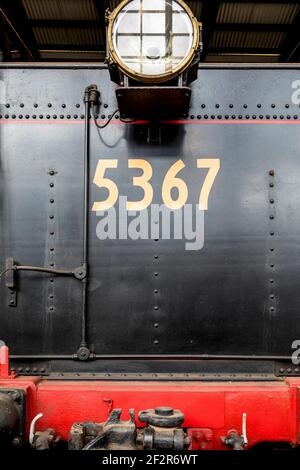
153, 51
152, 41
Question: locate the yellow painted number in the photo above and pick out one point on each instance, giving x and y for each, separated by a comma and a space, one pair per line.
172, 181
213, 165
102, 182
142, 182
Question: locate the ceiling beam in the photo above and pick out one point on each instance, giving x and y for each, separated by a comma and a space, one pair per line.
209, 14
14, 21
291, 45
101, 7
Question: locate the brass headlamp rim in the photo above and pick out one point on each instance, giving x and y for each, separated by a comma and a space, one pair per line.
114, 57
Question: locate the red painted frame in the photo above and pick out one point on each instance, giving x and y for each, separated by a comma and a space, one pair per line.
211, 409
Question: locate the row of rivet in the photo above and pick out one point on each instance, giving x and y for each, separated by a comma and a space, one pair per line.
192, 116
51, 231
203, 105
271, 194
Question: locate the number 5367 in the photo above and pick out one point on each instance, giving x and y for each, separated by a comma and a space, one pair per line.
171, 180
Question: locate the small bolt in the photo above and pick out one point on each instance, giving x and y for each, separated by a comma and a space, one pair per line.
271, 172
16, 441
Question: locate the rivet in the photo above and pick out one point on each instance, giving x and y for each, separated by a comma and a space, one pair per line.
51, 233
35, 105
271, 201
155, 274
259, 105
199, 116
287, 105
231, 106
281, 370
272, 234
272, 216
155, 256
51, 185
20, 116
106, 105
21, 105
254, 116
20, 369
41, 116
13, 116
271, 185
51, 201
77, 105
68, 116
155, 291
271, 281
27, 369
61, 116
272, 265
205, 116
245, 106
217, 105
156, 307
156, 325
54, 116
7, 105
51, 216
75, 116
202, 105
273, 105
289, 370
42, 370
48, 116
155, 341
272, 296
49, 105
192, 116
51, 172
296, 370
63, 105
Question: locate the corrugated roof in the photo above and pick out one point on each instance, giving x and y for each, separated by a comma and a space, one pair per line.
67, 36
247, 39
272, 13
60, 9
254, 25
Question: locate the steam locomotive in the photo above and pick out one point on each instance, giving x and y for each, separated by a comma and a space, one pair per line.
149, 249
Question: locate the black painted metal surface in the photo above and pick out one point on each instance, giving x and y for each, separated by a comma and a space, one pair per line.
238, 296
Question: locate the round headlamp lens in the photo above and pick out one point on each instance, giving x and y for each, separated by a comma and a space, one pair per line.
152, 37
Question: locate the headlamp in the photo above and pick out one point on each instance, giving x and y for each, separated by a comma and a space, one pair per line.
152, 41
